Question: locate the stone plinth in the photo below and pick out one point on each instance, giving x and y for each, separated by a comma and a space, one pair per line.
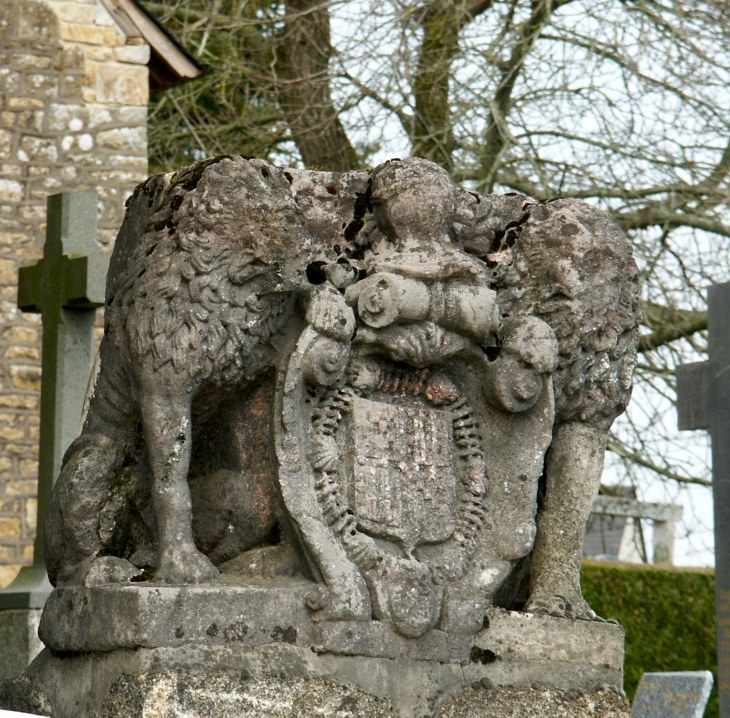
144, 640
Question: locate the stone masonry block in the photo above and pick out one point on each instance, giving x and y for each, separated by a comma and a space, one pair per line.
128, 139
29, 120
22, 449
28, 467
11, 427
10, 191
37, 22
18, 401
21, 334
113, 38
10, 528
20, 352
123, 85
6, 144
8, 269
31, 62
10, 82
70, 58
74, 12
133, 115
72, 86
26, 377
42, 85
25, 103
85, 34
31, 513
18, 487
62, 116
10, 170
133, 54
38, 149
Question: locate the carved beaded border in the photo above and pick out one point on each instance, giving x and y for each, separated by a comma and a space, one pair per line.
361, 548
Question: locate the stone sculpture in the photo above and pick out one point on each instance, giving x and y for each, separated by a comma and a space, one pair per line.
338, 419
429, 345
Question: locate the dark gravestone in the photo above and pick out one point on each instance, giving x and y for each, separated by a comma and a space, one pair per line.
703, 402
672, 695
66, 287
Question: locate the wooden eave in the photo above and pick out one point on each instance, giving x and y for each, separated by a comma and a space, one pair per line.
170, 63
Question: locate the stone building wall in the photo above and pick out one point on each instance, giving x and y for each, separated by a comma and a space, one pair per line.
73, 112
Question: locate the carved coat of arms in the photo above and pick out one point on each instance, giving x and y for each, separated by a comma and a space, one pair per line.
397, 406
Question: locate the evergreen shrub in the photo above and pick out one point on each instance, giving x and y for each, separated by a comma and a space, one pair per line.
668, 614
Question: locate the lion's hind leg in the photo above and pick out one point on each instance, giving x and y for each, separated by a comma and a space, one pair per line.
76, 551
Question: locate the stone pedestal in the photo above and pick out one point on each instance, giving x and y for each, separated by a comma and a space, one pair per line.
236, 647
19, 640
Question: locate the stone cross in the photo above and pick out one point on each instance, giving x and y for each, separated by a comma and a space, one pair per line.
703, 402
65, 287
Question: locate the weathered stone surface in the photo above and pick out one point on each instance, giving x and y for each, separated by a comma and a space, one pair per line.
416, 677
19, 638
538, 702
175, 696
274, 611
24, 696
680, 694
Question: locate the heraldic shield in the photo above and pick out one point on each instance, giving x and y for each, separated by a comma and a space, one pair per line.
399, 409
384, 469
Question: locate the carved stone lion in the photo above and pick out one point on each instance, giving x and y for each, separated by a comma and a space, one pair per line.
267, 330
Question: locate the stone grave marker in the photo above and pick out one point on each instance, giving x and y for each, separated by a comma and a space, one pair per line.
683, 694
703, 402
65, 286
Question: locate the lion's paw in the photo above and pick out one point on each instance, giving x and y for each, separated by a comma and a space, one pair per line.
185, 565
109, 569
562, 606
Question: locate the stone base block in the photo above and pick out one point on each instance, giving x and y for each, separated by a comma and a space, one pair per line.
225, 646
185, 695
19, 640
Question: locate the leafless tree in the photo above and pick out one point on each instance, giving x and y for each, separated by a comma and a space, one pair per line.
622, 103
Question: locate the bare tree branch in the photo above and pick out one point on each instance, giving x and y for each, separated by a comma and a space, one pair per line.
441, 21
618, 448
668, 325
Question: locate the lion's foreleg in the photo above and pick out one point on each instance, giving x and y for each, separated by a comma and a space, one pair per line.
166, 425
573, 468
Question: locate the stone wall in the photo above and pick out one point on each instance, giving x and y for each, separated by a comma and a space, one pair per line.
73, 112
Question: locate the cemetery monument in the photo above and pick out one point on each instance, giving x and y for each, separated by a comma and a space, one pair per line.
345, 436
676, 694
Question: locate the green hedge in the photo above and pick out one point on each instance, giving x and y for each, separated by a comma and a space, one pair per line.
668, 614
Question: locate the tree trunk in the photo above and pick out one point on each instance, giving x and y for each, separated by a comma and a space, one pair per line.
442, 22
303, 88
